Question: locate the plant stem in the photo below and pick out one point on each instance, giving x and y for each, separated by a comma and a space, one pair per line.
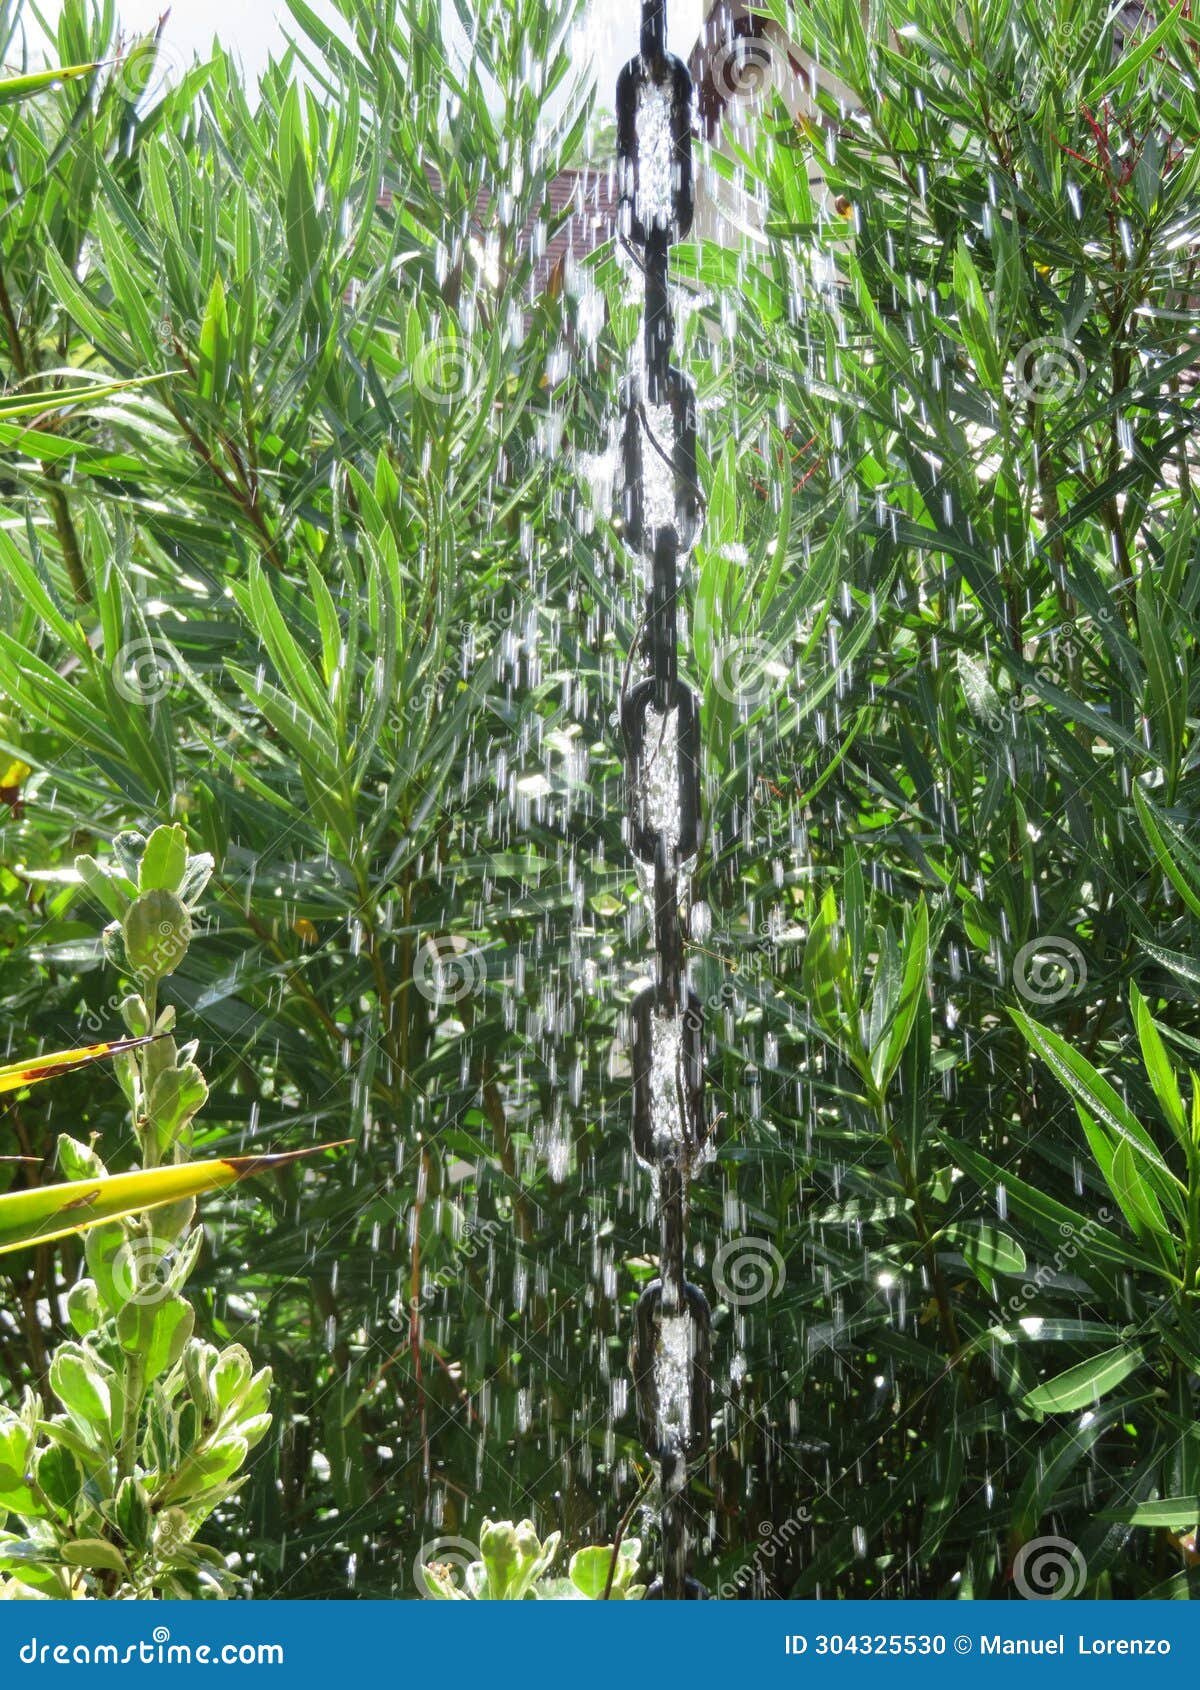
622, 1527
134, 1381
937, 1279
135, 1389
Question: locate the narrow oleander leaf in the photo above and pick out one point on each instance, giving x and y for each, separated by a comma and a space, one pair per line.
1176, 1513
214, 343
1092, 1091
913, 988
16, 1075
1126, 64
37, 404
1083, 1385
14, 88
1172, 850
54, 1211
1054, 1219
1158, 1067
985, 1248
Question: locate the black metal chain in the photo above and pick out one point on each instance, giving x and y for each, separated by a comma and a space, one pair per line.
660, 724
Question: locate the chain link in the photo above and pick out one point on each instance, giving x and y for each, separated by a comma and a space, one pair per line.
660, 725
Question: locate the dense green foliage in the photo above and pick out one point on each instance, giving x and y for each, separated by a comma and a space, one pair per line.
150, 1425
336, 592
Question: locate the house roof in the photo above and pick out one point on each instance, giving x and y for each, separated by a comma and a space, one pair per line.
587, 195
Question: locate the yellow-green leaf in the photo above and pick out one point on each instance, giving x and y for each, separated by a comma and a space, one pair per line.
37, 82
15, 1075
54, 1211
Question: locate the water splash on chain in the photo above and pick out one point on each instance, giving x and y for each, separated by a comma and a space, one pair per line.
661, 730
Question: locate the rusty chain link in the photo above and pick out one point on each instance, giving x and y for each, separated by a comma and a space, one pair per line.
660, 726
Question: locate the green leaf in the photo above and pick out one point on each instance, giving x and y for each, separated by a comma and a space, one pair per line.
1084, 1385
15, 1076
14, 88
913, 987
60, 399
974, 320
827, 976
984, 1248
213, 371
82, 1386
1055, 1220
156, 1331
588, 1571
1158, 1067
111, 891
1092, 1091
96, 1553
1172, 1513
177, 1093
1172, 850
54, 1211
158, 931
132, 1513
1166, 688
164, 861
1137, 1200
60, 1476
1129, 61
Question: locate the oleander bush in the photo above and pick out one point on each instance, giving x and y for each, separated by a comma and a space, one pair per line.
323, 569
